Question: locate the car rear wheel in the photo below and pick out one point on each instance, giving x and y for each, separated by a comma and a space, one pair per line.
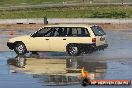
73, 50
20, 48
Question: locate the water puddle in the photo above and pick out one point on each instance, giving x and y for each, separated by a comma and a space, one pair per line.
57, 71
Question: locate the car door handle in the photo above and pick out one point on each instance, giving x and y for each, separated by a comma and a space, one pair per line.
46, 39
64, 39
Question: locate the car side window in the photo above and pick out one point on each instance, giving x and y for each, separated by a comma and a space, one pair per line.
78, 32
44, 32
62, 32
58, 32
49, 32
69, 32
65, 33
74, 32
83, 32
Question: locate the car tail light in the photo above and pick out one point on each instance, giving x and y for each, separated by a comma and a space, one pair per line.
94, 40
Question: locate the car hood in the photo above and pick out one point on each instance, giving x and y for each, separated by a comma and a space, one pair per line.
20, 38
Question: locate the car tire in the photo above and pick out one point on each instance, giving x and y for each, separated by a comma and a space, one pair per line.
73, 50
20, 48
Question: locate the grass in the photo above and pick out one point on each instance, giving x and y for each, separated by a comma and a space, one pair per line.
71, 12
28, 2
35, 2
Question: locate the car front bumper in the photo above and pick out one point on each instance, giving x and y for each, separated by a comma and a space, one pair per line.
10, 45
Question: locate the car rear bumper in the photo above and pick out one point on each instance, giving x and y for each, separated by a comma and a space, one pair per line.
101, 47
89, 48
10, 45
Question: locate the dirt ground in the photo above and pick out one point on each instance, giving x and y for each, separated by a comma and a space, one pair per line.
106, 26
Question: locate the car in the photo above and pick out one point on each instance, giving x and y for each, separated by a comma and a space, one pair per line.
74, 39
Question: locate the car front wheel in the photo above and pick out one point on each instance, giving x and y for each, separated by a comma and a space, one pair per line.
20, 48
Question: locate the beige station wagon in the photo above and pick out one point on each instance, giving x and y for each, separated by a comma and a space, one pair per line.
71, 38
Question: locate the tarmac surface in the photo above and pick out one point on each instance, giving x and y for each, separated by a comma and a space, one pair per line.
59, 70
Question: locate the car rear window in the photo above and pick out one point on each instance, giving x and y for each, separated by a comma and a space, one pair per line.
98, 31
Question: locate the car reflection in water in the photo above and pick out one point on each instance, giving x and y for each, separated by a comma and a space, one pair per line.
57, 71
19, 61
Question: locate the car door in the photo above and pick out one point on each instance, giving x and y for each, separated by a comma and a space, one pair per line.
78, 35
40, 41
58, 41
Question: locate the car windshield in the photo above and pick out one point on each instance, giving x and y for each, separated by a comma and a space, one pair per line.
98, 31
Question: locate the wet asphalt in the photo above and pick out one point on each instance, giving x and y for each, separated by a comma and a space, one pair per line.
115, 62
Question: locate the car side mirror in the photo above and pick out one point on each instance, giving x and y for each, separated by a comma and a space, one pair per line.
33, 35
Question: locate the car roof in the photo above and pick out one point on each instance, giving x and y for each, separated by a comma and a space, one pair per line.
69, 25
